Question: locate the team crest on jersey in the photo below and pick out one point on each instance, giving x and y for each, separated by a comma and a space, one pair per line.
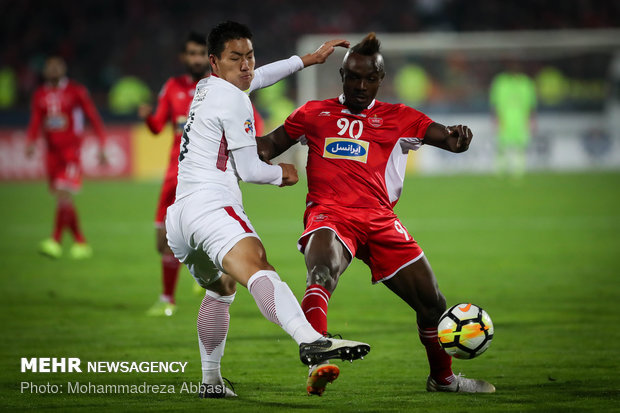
320, 217
375, 121
344, 148
249, 127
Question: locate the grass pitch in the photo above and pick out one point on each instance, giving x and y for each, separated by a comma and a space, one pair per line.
542, 256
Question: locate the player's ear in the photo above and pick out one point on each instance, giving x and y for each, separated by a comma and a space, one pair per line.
213, 61
342, 75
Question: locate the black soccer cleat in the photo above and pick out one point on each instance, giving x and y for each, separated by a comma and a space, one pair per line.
329, 348
217, 391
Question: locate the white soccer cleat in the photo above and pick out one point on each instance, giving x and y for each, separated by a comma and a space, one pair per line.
461, 385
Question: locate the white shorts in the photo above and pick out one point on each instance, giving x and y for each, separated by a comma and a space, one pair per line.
201, 232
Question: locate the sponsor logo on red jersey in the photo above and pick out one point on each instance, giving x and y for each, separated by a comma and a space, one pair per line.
344, 148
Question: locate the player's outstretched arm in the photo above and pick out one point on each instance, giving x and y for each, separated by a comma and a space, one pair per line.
451, 138
271, 73
273, 144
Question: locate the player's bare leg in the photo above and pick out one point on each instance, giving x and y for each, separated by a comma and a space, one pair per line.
247, 263
166, 305
326, 259
417, 286
212, 325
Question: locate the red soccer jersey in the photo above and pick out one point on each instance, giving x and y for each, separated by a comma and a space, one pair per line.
356, 160
173, 104
58, 110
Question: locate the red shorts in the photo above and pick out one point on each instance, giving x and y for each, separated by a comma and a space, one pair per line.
63, 169
167, 195
375, 236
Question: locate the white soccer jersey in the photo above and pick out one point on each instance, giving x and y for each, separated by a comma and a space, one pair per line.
220, 120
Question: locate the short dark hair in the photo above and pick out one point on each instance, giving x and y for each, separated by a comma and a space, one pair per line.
368, 46
224, 32
195, 37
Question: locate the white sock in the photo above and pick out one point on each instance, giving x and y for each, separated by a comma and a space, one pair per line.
278, 304
213, 319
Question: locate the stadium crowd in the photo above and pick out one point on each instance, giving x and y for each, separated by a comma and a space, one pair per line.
106, 40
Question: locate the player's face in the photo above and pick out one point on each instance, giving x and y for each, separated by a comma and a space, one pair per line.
196, 59
236, 64
361, 78
54, 69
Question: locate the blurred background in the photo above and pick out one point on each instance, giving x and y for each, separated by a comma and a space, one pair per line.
441, 58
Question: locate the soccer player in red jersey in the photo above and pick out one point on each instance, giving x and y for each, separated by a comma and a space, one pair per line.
172, 106
58, 107
357, 153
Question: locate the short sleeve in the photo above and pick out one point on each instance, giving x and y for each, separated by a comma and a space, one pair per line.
238, 120
295, 124
415, 123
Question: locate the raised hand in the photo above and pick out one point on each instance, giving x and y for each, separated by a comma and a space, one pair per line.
322, 53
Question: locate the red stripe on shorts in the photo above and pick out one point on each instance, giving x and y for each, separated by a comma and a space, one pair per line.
222, 155
233, 214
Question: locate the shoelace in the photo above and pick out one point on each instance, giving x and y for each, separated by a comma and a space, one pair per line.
229, 384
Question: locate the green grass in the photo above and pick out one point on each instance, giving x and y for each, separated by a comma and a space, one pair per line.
541, 256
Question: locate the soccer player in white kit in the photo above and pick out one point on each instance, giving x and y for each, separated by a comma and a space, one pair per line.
207, 227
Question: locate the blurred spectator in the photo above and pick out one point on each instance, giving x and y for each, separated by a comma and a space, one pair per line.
8, 87
103, 40
513, 98
127, 94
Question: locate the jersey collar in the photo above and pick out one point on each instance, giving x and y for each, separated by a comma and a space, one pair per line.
341, 100
62, 83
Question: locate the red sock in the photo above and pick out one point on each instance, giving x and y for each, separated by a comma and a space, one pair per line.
439, 361
63, 211
170, 275
314, 305
59, 221
73, 223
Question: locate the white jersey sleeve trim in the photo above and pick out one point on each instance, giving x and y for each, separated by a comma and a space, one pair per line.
252, 170
271, 73
397, 165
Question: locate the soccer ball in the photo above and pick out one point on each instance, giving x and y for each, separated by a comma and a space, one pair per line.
465, 331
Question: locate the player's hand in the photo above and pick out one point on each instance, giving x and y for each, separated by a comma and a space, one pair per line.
144, 110
322, 53
289, 174
462, 135
30, 149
